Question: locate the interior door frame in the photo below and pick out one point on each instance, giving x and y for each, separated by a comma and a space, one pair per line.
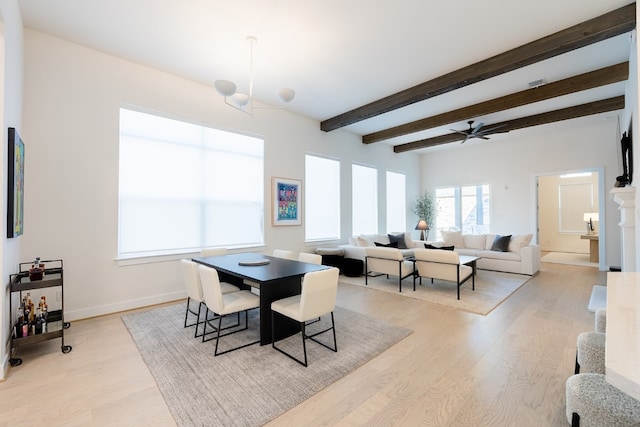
602, 211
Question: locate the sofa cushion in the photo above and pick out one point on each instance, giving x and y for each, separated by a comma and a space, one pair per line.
505, 256
489, 241
501, 243
399, 239
519, 241
453, 238
474, 241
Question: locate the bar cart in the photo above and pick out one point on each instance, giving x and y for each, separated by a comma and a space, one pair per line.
33, 325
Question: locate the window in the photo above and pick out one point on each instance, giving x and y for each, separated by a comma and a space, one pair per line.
184, 186
364, 198
463, 208
396, 202
322, 198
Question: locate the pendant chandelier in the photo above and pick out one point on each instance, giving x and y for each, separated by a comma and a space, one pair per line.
242, 101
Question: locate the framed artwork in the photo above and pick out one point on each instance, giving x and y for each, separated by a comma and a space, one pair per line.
15, 190
287, 201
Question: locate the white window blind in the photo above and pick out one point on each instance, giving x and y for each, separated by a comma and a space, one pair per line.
184, 186
364, 200
322, 200
396, 202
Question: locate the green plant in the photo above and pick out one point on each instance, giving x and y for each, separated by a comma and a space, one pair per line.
424, 207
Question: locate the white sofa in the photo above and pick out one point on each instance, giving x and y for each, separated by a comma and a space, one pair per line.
522, 257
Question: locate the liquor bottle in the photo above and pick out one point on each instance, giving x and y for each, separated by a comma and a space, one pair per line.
38, 322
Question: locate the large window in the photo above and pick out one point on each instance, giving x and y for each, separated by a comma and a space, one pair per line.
463, 208
322, 198
396, 202
183, 187
364, 198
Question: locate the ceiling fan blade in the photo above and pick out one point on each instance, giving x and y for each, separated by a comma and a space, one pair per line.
461, 132
494, 128
477, 128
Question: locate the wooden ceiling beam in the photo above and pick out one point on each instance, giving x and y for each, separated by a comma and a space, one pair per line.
609, 25
603, 106
604, 76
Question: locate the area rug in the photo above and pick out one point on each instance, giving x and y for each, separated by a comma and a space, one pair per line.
492, 288
568, 258
253, 385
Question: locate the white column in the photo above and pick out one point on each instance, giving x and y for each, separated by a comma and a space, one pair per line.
625, 197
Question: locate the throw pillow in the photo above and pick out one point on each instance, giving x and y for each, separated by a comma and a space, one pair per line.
474, 241
399, 239
387, 245
363, 241
519, 241
452, 238
444, 248
501, 243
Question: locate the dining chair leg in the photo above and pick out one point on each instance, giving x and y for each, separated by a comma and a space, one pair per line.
186, 313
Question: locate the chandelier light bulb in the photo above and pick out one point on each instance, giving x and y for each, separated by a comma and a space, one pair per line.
225, 87
286, 94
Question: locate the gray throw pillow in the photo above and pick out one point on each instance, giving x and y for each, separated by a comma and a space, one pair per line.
399, 239
501, 243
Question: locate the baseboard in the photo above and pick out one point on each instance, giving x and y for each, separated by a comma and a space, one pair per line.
101, 310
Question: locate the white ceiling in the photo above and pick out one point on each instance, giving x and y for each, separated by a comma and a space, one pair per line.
340, 54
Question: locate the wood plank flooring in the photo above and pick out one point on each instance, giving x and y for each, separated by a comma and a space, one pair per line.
457, 369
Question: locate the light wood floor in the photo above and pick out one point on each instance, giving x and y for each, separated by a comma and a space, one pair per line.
457, 369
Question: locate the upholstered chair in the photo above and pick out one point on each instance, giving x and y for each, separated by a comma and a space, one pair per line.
389, 261
590, 353
281, 253
213, 251
601, 320
310, 258
444, 265
225, 304
591, 401
318, 297
191, 278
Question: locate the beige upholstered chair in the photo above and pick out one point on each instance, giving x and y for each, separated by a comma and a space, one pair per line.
281, 253
318, 298
225, 304
191, 278
590, 353
601, 320
591, 401
310, 258
389, 261
213, 251
444, 265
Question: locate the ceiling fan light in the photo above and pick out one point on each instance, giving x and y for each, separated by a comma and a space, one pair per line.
225, 87
286, 94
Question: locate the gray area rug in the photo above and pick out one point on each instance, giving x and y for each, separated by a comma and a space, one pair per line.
253, 385
492, 288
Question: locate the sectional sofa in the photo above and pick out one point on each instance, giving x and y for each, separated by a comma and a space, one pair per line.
516, 255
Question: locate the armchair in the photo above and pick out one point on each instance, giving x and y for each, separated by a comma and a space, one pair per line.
442, 264
389, 261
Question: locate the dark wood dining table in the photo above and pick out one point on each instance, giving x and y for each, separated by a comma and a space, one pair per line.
276, 278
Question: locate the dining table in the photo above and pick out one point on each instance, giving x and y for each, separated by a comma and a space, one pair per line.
273, 278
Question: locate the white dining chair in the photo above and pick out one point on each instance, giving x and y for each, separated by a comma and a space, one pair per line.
213, 251
281, 253
191, 278
318, 297
225, 304
310, 258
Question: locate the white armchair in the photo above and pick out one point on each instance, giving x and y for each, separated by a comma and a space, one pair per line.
389, 261
444, 265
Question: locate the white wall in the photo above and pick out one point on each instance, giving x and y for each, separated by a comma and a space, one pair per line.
510, 162
72, 101
11, 54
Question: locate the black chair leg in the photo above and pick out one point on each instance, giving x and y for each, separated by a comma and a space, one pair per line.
575, 420
577, 368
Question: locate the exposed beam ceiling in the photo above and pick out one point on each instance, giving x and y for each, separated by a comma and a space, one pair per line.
596, 107
611, 24
604, 76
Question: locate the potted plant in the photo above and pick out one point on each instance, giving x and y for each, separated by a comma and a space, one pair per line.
424, 208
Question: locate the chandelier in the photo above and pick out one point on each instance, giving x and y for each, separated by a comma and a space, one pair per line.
242, 101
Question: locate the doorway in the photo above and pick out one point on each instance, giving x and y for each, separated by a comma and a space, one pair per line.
563, 201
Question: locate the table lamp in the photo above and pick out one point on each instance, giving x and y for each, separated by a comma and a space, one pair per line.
590, 218
422, 225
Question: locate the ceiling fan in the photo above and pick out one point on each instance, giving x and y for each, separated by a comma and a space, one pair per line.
477, 131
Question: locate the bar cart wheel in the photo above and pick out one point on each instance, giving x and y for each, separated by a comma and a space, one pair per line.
66, 348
